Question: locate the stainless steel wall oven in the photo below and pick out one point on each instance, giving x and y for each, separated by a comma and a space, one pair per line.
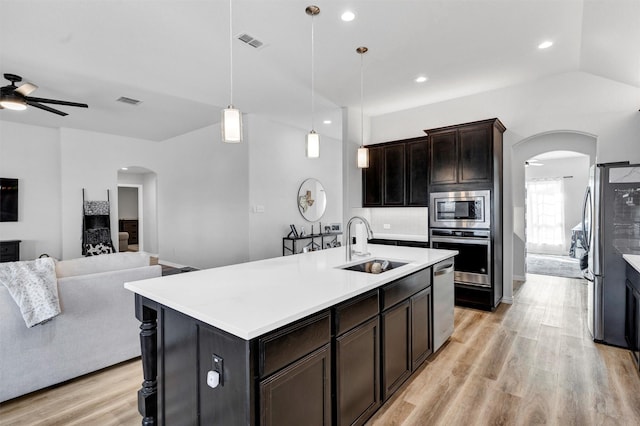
473, 263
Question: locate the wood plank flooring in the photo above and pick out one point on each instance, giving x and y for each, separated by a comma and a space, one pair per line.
528, 363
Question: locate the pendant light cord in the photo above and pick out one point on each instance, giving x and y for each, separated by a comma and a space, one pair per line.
312, 75
361, 100
230, 55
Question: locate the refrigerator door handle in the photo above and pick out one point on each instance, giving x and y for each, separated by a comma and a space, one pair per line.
586, 203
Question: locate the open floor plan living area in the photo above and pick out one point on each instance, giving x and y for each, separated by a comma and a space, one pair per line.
274, 213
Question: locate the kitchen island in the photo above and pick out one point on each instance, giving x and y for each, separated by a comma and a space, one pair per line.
284, 340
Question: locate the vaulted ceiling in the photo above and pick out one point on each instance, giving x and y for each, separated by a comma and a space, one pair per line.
173, 55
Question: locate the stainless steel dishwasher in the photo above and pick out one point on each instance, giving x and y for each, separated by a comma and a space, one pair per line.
443, 301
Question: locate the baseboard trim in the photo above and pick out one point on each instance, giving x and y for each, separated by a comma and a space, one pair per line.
519, 278
507, 300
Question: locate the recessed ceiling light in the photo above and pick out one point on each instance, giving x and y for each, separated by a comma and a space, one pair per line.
348, 16
545, 44
421, 79
327, 121
124, 168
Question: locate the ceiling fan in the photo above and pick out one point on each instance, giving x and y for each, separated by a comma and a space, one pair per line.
17, 97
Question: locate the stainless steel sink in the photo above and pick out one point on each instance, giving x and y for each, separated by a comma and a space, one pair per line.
368, 266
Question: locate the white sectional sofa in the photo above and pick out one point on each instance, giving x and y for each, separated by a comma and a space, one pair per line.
97, 327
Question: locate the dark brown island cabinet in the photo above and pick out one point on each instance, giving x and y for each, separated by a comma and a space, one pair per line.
334, 367
632, 315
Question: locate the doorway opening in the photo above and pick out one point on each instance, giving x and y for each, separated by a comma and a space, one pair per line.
137, 210
130, 218
555, 183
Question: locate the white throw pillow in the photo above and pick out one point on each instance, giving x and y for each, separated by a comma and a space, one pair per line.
102, 263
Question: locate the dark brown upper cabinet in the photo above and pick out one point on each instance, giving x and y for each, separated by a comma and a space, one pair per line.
372, 179
393, 175
465, 153
417, 155
397, 175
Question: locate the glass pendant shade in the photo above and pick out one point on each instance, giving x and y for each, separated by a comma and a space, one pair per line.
313, 145
363, 157
231, 125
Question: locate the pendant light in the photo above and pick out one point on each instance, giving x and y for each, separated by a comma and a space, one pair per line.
313, 139
363, 151
231, 117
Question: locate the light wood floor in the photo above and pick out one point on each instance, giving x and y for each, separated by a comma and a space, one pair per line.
527, 363
530, 363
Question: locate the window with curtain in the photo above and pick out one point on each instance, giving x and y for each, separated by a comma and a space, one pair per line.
545, 215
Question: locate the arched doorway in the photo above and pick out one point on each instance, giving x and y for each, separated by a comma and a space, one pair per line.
137, 208
573, 141
555, 182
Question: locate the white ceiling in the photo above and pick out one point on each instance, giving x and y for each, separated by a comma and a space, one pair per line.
174, 56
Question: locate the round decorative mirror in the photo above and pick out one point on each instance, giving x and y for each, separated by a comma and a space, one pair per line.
312, 200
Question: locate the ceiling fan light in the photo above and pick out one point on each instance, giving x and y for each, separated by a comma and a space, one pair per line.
231, 125
313, 145
13, 102
363, 157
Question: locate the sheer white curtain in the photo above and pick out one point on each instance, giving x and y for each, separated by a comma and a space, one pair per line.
545, 216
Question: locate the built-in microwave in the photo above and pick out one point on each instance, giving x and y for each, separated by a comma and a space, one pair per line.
460, 209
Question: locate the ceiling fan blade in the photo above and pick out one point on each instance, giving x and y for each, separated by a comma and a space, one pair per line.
46, 108
56, 102
26, 88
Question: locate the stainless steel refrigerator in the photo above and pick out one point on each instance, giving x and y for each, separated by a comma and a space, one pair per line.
611, 228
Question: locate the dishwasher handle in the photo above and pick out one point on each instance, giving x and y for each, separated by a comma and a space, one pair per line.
446, 269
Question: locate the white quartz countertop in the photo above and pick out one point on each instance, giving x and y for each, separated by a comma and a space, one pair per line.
250, 299
633, 260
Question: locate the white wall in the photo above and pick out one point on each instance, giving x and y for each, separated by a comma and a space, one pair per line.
278, 166
574, 172
202, 188
91, 160
32, 155
150, 203
573, 101
203, 199
127, 202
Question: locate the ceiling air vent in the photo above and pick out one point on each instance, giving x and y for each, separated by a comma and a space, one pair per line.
129, 101
253, 42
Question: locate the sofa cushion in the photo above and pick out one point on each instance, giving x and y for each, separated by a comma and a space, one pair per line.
102, 263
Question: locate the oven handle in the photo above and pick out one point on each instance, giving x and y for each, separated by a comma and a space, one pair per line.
469, 240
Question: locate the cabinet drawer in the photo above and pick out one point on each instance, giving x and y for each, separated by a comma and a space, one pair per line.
355, 312
282, 347
405, 287
9, 251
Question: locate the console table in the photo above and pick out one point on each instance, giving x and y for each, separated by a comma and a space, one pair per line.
10, 250
331, 238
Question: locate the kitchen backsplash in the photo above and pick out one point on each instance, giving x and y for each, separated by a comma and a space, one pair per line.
396, 222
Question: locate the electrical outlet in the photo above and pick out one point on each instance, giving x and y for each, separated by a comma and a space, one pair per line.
218, 366
387, 226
